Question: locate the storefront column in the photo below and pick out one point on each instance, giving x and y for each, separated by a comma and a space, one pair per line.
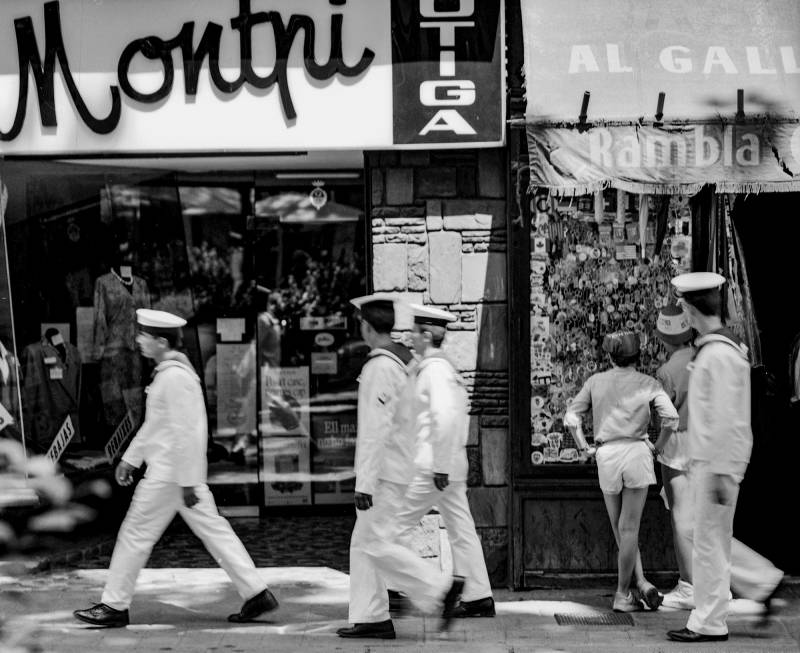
439, 236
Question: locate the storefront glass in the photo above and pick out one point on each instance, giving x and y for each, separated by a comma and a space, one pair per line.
10, 411
261, 267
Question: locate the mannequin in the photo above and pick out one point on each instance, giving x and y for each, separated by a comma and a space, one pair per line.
51, 387
117, 295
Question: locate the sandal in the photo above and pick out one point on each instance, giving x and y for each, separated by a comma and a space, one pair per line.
651, 597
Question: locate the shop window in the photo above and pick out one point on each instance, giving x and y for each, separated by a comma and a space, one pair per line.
599, 263
262, 270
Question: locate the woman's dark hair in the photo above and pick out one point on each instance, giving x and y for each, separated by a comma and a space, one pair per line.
625, 361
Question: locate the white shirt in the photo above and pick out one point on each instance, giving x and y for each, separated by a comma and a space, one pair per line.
719, 406
174, 436
620, 400
440, 406
384, 445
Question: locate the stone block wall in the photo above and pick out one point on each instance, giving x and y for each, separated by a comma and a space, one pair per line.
438, 234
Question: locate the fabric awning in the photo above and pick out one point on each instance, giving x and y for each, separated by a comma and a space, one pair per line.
722, 75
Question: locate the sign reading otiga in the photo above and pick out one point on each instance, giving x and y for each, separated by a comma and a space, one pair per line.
248, 75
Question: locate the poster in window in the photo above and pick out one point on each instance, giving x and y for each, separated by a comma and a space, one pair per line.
285, 441
334, 437
285, 471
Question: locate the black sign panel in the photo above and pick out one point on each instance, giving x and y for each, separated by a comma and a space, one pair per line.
448, 68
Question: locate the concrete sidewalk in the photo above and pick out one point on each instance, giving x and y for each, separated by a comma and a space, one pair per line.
185, 610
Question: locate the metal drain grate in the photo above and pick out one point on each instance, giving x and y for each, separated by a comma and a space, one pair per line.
608, 619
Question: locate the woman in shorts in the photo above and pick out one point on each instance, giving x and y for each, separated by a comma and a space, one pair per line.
620, 400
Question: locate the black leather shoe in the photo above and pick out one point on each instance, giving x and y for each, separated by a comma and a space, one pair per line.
377, 630
477, 608
691, 637
254, 607
450, 601
103, 615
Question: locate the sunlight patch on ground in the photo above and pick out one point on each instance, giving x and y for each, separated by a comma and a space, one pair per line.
547, 608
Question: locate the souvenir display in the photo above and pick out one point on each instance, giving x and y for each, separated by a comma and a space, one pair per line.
587, 279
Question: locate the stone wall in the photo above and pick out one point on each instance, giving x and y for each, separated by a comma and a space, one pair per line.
438, 230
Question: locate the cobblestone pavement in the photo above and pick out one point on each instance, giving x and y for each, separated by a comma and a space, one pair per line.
307, 541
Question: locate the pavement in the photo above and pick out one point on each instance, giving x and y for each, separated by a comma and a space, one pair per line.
183, 599
185, 610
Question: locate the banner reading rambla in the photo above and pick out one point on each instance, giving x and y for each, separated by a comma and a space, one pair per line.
674, 159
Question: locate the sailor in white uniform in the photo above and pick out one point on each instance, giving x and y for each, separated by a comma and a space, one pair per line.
384, 468
720, 441
441, 465
172, 441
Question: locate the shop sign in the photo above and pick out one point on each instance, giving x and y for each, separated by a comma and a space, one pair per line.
626, 53
78, 76
119, 437
448, 71
737, 158
62, 439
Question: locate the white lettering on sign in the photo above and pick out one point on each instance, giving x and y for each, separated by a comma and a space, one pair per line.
119, 437
465, 9
456, 93
62, 439
664, 150
447, 93
679, 59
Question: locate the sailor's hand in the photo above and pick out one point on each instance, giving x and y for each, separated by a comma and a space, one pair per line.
440, 481
124, 473
363, 501
189, 497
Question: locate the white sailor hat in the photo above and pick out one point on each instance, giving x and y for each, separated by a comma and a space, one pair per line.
383, 297
430, 315
149, 320
697, 282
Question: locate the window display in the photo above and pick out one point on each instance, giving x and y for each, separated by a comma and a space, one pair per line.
598, 264
261, 270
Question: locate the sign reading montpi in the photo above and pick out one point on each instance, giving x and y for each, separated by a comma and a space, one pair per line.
158, 49
238, 75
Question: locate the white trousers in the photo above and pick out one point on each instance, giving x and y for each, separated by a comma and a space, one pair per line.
153, 507
453, 506
379, 559
720, 562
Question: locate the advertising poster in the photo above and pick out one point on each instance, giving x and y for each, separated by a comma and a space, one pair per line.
236, 389
284, 401
285, 471
284, 430
334, 437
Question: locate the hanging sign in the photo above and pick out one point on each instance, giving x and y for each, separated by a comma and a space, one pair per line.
120, 437
62, 439
627, 52
737, 158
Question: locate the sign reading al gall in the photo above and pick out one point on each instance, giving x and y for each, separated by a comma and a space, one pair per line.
167, 76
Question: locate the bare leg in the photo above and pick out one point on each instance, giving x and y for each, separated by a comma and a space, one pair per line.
679, 498
625, 512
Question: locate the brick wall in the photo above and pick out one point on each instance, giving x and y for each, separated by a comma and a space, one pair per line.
438, 230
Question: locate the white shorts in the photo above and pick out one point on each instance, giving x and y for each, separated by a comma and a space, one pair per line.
624, 463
